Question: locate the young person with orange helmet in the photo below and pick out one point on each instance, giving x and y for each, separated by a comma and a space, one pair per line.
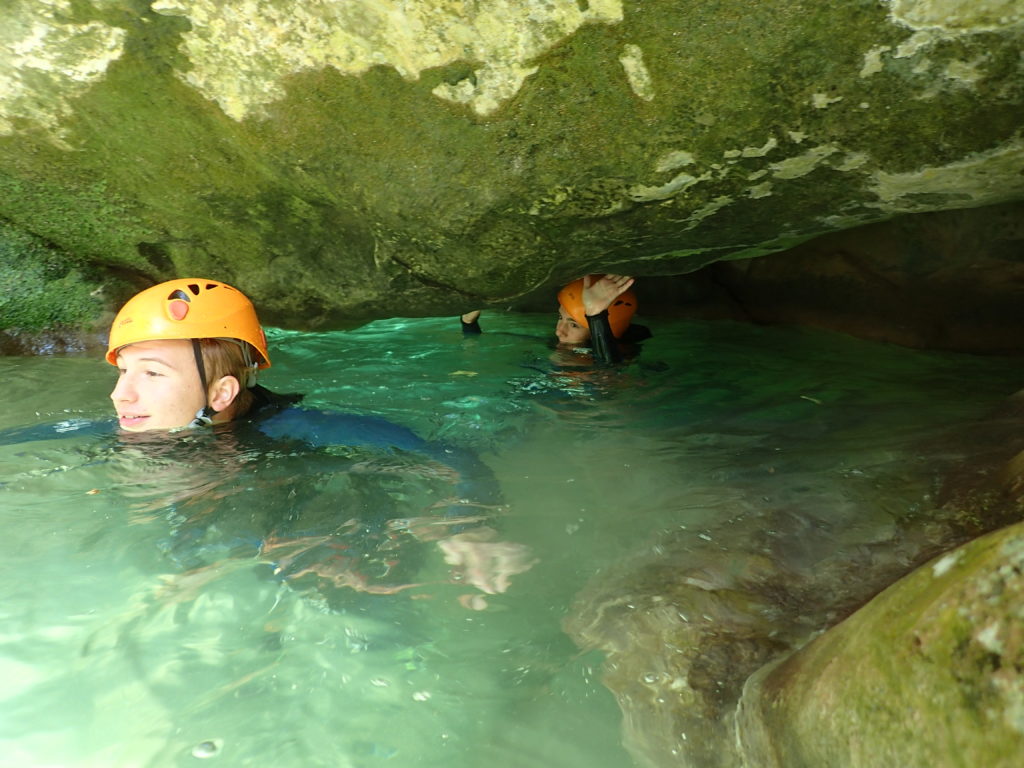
188, 351
594, 311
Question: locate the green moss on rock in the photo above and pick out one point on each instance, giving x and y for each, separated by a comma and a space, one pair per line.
351, 171
930, 672
41, 287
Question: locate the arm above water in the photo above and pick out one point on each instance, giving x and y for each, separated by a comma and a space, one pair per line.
608, 349
602, 342
598, 295
470, 323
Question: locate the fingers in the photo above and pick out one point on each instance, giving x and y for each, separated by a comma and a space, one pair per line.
591, 281
599, 294
614, 285
620, 281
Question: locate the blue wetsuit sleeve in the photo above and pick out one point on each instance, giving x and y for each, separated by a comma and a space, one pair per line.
324, 428
59, 431
602, 342
476, 480
470, 329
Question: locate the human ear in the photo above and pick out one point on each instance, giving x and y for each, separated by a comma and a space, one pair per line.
223, 393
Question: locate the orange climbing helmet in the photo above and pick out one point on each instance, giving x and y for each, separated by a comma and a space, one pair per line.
619, 313
188, 308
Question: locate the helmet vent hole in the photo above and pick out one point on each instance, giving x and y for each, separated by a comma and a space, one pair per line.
194, 288
179, 294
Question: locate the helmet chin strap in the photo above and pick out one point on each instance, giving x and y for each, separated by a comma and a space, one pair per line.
204, 416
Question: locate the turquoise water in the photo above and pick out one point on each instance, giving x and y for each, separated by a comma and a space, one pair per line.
163, 604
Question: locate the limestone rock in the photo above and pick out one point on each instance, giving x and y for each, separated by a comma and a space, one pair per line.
949, 280
347, 159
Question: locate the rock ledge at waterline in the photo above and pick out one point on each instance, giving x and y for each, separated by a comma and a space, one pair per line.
341, 161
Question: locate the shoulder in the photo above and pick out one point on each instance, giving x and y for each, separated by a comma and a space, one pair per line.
322, 428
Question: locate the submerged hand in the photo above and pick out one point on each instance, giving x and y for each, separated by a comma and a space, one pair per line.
484, 563
598, 295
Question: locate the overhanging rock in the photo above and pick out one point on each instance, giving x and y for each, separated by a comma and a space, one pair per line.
353, 159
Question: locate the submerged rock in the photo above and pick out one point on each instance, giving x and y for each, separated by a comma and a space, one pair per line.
683, 628
686, 622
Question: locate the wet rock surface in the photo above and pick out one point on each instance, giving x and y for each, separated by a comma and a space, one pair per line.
949, 280
706, 619
339, 162
930, 672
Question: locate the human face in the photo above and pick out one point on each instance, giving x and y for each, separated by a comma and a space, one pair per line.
569, 332
158, 386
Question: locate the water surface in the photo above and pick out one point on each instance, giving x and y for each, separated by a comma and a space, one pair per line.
165, 603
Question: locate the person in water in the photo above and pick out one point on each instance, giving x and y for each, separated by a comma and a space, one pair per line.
595, 311
188, 352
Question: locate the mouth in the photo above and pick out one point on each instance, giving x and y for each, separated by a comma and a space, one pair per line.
131, 421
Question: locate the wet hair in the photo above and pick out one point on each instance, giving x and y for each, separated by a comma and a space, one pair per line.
227, 357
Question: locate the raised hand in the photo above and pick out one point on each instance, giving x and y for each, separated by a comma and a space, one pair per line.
599, 294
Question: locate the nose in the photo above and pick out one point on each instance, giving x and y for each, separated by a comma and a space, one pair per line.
123, 391
561, 327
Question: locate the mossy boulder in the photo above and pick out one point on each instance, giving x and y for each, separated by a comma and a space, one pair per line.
930, 672
340, 161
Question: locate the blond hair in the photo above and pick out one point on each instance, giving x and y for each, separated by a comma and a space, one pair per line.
229, 357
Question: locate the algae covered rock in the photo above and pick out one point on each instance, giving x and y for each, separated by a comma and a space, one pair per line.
929, 673
46, 299
347, 159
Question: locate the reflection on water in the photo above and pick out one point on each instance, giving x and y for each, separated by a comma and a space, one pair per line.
201, 597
